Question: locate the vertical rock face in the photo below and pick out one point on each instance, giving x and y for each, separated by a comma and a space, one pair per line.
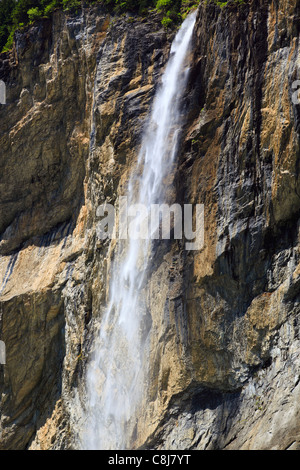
224, 356
241, 297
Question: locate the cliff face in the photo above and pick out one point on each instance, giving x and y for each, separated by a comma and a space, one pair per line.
224, 359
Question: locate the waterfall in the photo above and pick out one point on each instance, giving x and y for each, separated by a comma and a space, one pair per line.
117, 373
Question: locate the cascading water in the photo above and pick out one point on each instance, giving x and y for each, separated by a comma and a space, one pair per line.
117, 372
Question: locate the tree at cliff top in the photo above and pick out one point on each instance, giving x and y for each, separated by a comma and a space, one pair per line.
16, 14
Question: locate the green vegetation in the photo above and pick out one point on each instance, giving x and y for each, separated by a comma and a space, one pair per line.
16, 14
34, 14
6, 9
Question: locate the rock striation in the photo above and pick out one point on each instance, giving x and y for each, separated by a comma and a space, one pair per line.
224, 358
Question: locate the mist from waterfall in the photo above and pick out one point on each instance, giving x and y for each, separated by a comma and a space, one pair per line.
117, 372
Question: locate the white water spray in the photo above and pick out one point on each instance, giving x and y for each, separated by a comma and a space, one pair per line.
118, 371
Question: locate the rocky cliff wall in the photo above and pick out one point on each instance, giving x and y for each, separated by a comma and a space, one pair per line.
224, 358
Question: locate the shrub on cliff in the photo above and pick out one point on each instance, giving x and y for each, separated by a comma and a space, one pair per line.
34, 14
71, 4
